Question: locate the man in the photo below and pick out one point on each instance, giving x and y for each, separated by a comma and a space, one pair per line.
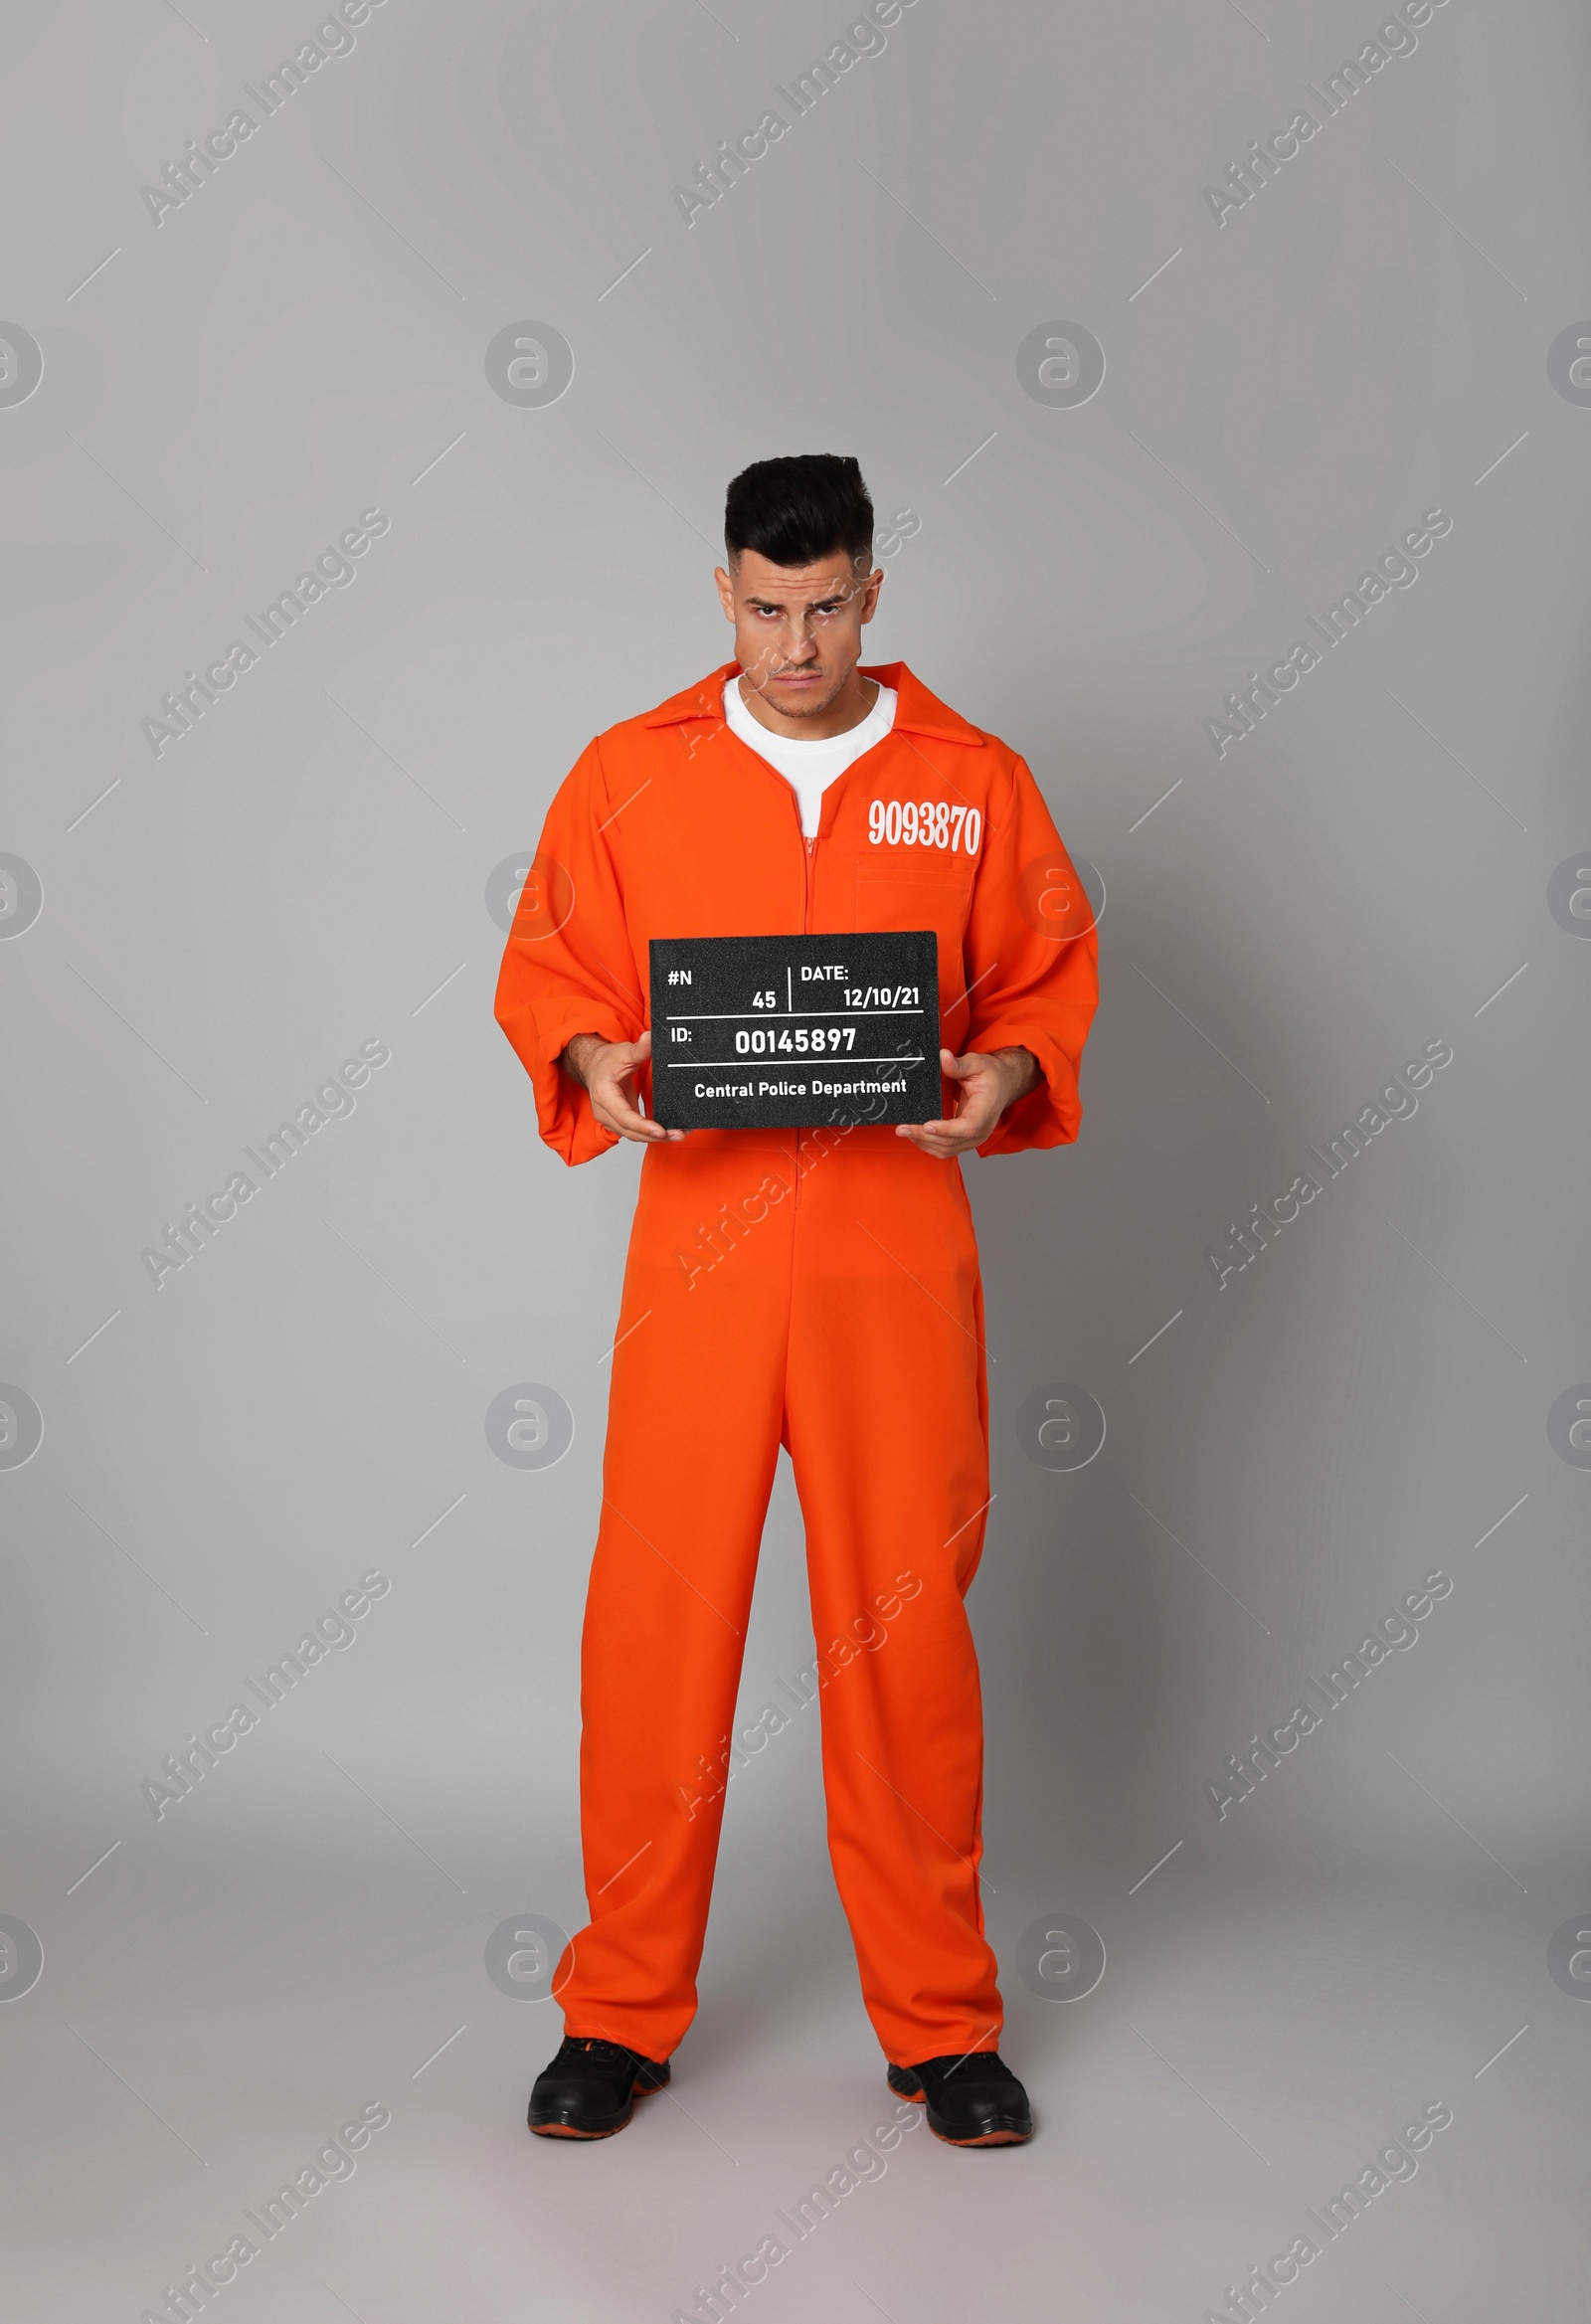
812, 1288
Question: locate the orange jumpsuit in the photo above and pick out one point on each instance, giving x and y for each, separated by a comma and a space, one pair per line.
816, 1287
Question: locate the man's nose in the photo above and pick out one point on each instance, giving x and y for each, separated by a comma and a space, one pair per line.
801, 645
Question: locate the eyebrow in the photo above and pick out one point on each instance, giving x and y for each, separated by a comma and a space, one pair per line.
778, 605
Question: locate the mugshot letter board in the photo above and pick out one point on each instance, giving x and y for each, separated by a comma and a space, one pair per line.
784, 1032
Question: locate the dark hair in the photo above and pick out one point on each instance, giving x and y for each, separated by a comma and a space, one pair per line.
798, 510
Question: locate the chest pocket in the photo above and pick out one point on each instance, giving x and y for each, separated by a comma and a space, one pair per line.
890, 894
914, 853
918, 843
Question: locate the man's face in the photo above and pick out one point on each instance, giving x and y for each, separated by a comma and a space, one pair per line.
798, 627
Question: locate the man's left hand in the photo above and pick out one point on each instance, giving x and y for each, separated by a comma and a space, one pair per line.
988, 1085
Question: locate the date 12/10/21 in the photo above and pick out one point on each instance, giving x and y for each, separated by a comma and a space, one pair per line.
895, 823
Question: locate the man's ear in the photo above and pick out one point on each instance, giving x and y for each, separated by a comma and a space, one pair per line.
726, 592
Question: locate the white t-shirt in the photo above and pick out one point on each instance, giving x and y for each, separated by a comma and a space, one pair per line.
810, 768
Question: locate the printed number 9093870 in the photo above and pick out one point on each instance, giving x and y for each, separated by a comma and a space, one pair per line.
924, 823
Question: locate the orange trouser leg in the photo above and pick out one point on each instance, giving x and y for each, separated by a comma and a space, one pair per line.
850, 1310
888, 1433
695, 1409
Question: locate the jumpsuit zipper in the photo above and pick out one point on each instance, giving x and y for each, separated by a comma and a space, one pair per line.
807, 929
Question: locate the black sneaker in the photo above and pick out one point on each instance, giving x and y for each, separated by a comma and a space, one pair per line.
973, 2100
589, 2089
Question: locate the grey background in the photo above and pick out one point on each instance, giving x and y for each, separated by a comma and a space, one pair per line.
307, 868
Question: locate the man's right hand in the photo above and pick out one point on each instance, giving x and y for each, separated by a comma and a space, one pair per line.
606, 1070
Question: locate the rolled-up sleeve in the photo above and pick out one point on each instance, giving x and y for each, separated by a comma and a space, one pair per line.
567, 967
1031, 957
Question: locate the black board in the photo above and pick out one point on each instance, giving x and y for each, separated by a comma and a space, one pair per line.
784, 1032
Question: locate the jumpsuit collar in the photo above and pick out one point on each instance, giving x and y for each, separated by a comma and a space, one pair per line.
917, 710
